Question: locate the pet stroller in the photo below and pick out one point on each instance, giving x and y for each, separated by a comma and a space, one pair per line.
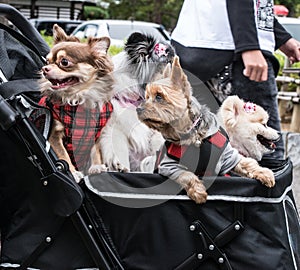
122, 220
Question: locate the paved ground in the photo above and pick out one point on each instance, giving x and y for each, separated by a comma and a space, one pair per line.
293, 151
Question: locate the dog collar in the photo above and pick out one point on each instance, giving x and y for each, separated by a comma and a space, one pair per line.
196, 124
194, 128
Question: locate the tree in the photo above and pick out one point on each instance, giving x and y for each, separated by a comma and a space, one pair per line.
292, 5
159, 11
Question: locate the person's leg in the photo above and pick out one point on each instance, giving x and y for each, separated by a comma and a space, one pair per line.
261, 93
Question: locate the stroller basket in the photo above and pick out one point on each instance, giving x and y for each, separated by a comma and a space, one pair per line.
243, 225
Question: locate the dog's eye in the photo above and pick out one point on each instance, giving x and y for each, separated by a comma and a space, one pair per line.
158, 97
64, 62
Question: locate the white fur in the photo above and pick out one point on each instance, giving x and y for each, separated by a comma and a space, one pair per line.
125, 141
243, 127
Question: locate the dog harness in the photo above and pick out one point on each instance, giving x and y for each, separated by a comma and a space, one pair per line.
201, 160
82, 128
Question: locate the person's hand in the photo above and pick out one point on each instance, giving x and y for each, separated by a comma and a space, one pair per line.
292, 50
256, 66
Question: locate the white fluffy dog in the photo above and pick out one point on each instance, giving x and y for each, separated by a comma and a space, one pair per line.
125, 141
246, 125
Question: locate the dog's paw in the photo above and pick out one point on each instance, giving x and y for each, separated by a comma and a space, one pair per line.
116, 165
77, 176
266, 176
197, 191
250, 168
99, 168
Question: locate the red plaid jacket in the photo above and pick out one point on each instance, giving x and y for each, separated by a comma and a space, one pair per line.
82, 128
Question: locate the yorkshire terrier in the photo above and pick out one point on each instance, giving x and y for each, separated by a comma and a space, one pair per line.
125, 140
190, 130
77, 87
246, 126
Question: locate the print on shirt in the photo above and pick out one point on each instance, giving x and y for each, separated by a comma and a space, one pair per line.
265, 14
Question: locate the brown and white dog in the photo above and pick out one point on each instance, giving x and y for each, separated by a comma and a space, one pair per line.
187, 127
125, 140
246, 126
77, 86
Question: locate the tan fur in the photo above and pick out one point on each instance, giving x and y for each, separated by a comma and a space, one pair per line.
56, 143
194, 187
244, 127
89, 67
170, 108
87, 62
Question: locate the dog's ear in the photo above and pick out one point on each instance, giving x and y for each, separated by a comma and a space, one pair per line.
59, 35
135, 38
176, 72
179, 78
167, 71
230, 110
99, 46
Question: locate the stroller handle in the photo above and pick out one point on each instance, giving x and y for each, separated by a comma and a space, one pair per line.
26, 28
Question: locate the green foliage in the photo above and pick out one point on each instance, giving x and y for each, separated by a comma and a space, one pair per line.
113, 50
292, 5
297, 10
91, 13
281, 58
159, 11
47, 38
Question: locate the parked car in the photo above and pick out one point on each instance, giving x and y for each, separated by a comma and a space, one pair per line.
47, 25
292, 25
119, 30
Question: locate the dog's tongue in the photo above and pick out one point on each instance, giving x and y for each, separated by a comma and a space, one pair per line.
273, 145
267, 143
57, 84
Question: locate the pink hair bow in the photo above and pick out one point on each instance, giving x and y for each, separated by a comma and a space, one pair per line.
249, 107
160, 49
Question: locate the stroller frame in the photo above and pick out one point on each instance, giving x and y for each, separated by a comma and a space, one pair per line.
15, 120
56, 171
